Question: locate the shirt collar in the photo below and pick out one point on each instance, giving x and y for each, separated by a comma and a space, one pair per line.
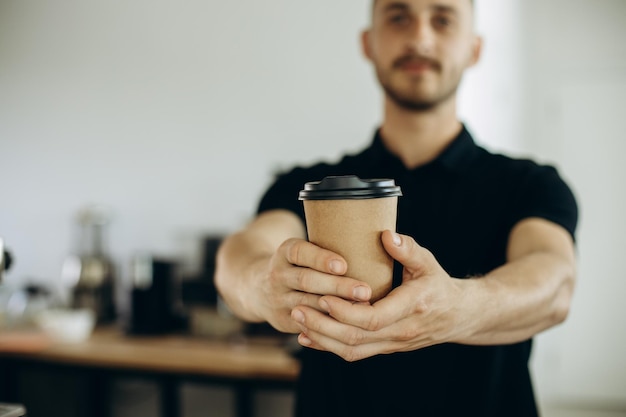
456, 157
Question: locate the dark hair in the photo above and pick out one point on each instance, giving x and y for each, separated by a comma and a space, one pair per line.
374, 3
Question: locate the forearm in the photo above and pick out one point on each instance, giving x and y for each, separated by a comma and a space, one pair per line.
243, 262
518, 300
240, 262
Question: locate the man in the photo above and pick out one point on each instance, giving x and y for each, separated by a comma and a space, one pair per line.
495, 262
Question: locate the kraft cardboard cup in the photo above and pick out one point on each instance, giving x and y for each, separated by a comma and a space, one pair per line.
347, 215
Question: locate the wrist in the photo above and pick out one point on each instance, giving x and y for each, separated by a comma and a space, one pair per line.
253, 291
472, 309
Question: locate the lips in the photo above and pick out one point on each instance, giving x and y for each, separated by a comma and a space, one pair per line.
416, 64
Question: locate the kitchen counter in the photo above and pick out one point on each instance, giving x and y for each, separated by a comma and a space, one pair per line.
246, 364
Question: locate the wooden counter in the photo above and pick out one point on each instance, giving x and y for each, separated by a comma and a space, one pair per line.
245, 365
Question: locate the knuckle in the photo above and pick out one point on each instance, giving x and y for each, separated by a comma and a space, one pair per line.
373, 323
301, 298
303, 279
293, 249
354, 337
351, 355
273, 278
339, 287
421, 307
408, 335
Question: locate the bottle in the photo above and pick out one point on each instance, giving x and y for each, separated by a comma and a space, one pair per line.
90, 274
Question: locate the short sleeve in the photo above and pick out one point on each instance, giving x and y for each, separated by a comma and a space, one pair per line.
546, 195
283, 194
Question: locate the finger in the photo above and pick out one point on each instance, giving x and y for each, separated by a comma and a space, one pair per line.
302, 253
368, 317
307, 280
301, 298
405, 250
323, 333
333, 327
320, 271
349, 353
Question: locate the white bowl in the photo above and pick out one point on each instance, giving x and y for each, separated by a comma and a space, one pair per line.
64, 325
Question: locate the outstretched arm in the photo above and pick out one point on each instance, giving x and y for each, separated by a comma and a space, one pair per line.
528, 294
243, 262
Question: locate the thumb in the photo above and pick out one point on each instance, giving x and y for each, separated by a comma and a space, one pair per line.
417, 260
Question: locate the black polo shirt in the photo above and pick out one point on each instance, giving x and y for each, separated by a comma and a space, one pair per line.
462, 207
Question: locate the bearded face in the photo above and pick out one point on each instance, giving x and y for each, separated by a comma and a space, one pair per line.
420, 49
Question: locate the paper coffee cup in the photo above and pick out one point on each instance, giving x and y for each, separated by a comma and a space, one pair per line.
347, 215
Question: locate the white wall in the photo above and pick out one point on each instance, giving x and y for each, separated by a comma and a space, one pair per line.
175, 115
575, 89
491, 94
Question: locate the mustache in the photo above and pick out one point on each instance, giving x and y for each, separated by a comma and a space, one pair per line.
416, 59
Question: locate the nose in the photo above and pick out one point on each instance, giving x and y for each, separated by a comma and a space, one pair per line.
421, 38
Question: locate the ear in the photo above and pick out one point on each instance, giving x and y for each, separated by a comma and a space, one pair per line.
476, 50
366, 48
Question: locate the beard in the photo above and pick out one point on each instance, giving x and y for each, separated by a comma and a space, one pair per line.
415, 97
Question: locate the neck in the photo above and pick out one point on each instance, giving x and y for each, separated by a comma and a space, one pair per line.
418, 137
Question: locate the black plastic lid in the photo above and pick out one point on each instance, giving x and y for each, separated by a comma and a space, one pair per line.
349, 187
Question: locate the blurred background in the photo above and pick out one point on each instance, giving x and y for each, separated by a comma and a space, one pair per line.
173, 117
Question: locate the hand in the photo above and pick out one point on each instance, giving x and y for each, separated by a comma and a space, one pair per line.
421, 312
300, 273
